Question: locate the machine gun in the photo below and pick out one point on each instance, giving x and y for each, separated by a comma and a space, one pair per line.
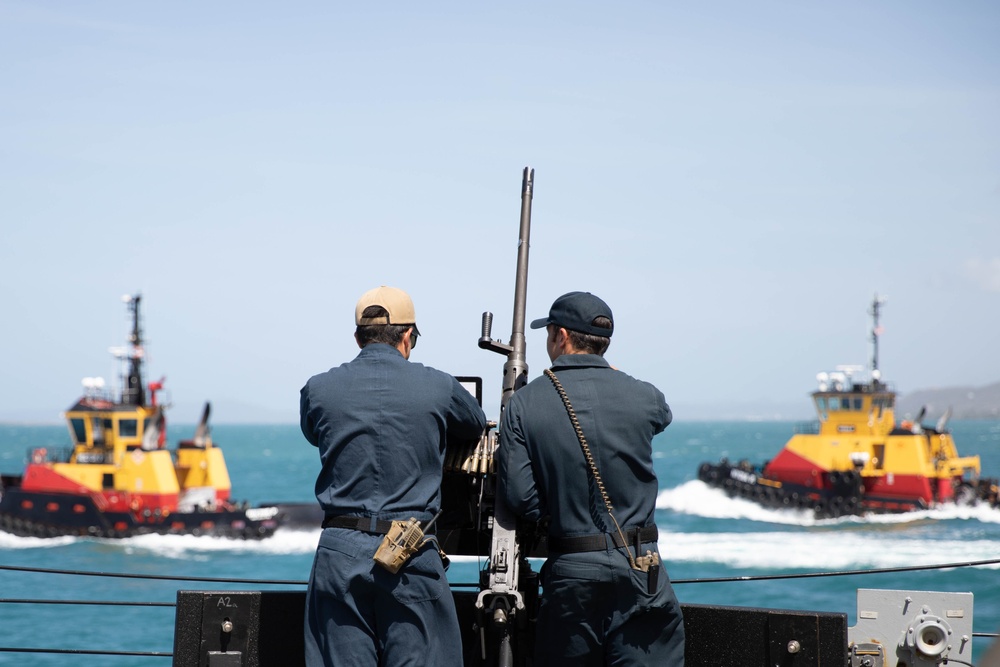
476, 521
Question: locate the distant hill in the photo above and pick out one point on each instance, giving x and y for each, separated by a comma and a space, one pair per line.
965, 402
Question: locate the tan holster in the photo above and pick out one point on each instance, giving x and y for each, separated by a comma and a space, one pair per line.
402, 541
651, 559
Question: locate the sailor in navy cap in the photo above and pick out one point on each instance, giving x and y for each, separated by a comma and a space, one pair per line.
605, 600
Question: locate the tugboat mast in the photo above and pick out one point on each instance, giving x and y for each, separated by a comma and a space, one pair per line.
133, 392
876, 330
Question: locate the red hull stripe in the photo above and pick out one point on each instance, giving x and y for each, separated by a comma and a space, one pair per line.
792, 468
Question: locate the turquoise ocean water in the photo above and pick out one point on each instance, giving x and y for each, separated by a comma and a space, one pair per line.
702, 534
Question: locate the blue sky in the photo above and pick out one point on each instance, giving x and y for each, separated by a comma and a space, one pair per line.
737, 180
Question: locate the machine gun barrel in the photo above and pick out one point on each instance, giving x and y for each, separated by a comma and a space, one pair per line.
515, 371
502, 596
516, 368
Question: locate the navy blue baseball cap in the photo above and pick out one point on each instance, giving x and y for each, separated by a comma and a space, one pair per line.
577, 311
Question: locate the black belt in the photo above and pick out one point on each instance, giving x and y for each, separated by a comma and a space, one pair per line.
363, 523
599, 542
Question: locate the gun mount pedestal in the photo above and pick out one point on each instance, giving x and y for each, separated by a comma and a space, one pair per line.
265, 628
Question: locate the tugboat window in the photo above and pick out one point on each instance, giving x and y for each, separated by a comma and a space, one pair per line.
857, 404
834, 403
79, 430
128, 428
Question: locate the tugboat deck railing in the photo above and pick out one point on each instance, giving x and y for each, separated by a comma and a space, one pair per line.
807, 428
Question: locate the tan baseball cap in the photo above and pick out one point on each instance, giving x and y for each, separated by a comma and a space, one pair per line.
397, 302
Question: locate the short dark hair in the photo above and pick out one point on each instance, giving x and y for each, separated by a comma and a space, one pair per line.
390, 334
589, 343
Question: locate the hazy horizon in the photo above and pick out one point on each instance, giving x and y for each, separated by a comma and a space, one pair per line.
801, 411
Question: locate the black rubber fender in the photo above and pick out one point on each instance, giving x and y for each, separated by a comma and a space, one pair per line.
835, 507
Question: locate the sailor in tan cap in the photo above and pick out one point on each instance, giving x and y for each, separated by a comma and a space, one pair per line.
381, 423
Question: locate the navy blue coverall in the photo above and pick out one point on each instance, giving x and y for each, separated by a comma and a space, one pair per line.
381, 424
595, 609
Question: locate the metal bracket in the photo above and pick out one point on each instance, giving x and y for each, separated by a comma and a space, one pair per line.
916, 628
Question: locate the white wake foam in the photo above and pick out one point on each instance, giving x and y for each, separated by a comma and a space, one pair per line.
698, 499
188, 547
8, 541
825, 550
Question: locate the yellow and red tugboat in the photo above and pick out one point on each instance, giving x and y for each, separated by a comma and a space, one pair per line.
860, 460
119, 479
